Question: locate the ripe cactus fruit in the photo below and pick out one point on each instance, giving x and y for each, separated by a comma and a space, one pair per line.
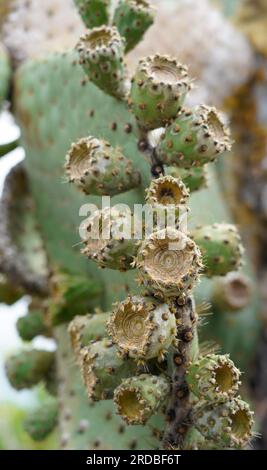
94, 12
138, 398
232, 293
213, 377
4, 73
158, 90
142, 328
42, 421
109, 239
97, 168
31, 325
169, 263
221, 248
71, 295
166, 191
228, 424
28, 368
84, 329
101, 53
133, 18
194, 178
195, 138
103, 369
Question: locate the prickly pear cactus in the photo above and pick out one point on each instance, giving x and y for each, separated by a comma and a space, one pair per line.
142, 378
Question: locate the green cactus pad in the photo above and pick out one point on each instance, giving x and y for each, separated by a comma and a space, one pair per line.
27, 368
158, 91
232, 293
5, 73
194, 178
71, 295
221, 248
142, 328
133, 18
194, 138
84, 329
97, 168
114, 247
32, 325
42, 421
103, 369
138, 398
213, 377
169, 263
101, 52
94, 12
228, 424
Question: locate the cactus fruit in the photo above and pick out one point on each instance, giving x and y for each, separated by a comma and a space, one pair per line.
232, 293
106, 242
194, 139
133, 18
28, 368
4, 73
213, 377
221, 248
32, 325
98, 169
101, 55
159, 88
94, 12
166, 191
85, 329
169, 263
103, 369
229, 424
41, 422
138, 398
142, 328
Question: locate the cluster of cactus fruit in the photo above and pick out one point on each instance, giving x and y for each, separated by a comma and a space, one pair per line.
144, 354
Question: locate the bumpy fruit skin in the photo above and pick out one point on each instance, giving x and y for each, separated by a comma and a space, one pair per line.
194, 178
213, 377
28, 368
159, 88
97, 168
228, 424
195, 138
84, 329
167, 191
5, 73
31, 325
103, 369
221, 248
168, 263
42, 421
138, 398
142, 328
101, 52
94, 12
114, 247
133, 18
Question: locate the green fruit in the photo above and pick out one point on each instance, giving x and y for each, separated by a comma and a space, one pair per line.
94, 12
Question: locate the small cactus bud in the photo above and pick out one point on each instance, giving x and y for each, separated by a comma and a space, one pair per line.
42, 421
232, 293
31, 325
109, 239
221, 248
133, 18
27, 368
169, 263
94, 12
71, 295
194, 138
142, 328
99, 169
138, 398
194, 179
213, 377
103, 369
84, 329
101, 53
158, 90
229, 424
166, 192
